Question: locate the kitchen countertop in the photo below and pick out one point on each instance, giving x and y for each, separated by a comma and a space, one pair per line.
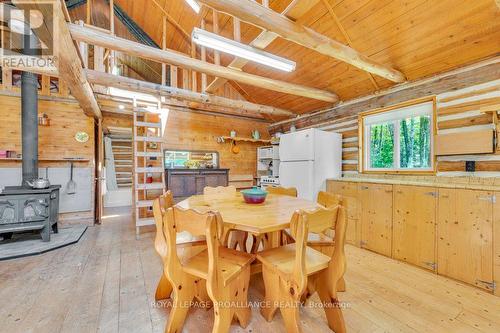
472, 184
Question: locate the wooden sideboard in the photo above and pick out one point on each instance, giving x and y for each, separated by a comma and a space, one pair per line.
186, 182
453, 232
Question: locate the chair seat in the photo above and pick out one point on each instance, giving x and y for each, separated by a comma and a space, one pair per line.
314, 239
282, 259
231, 263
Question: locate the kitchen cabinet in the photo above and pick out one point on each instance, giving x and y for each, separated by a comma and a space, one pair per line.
465, 240
349, 193
187, 182
414, 225
496, 243
376, 217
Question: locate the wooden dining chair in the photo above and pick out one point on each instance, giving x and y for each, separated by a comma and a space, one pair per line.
220, 191
293, 272
323, 242
218, 274
261, 239
187, 244
290, 191
233, 238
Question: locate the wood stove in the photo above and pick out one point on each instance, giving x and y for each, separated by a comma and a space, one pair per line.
23, 208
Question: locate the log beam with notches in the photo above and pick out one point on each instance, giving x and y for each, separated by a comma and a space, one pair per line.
295, 10
126, 83
67, 59
91, 36
253, 13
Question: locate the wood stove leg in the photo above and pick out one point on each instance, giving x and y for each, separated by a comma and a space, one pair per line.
45, 233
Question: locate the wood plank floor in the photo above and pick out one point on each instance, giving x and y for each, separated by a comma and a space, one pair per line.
106, 283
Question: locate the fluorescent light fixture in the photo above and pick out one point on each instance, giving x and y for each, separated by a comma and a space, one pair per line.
19, 26
214, 41
195, 5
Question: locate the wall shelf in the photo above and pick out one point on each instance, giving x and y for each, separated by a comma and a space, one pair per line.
241, 139
15, 159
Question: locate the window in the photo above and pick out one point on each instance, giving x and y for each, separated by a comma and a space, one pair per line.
399, 139
175, 159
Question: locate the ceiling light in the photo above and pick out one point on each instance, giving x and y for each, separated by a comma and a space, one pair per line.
121, 107
19, 27
214, 41
195, 5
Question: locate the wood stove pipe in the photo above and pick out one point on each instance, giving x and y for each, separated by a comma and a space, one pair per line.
29, 115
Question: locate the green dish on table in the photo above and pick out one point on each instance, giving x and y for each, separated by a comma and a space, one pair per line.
254, 195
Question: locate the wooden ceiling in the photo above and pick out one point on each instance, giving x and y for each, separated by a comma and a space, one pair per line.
418, 37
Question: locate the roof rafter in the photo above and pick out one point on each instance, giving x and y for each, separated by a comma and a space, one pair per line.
94, 37
267, 19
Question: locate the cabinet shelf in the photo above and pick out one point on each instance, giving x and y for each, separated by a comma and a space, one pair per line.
242, 139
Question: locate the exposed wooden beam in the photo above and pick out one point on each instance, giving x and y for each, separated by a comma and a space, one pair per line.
265, 18
175, 58
170, 19
464, 77
67, 60
109, 103
125, 83
346, 36
295, 10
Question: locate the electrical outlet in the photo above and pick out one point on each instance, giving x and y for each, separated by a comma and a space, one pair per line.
470, 166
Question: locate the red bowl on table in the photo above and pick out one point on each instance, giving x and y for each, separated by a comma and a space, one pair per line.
254, 195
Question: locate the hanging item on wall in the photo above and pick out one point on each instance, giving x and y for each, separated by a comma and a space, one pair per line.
235, 148
232, 133
43, 120
82, 137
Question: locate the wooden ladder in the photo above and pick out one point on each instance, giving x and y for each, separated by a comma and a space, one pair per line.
147, 161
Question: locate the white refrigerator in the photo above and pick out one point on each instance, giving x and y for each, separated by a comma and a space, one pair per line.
308, 158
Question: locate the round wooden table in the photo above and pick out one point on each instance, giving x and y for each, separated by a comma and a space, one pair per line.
269, 218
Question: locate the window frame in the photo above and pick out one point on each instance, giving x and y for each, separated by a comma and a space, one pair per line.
364, 150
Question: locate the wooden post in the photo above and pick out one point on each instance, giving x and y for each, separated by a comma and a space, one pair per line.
164, 46
185, 79
216, 31
194, 81
112, 29
6, 78
84, 49
236, 29
63, 88
89, 12
45, 85
204, 58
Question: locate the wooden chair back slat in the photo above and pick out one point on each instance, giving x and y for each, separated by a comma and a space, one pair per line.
189, 220
220, 191
326, 199
165, 201
290, 191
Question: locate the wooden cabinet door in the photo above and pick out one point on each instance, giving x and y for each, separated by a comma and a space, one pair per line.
376, 217
465, 248
182, 185
496, 243
349, 193
414, 225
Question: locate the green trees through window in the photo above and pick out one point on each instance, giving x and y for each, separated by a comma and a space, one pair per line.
415, 142
382, 146
400, 139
